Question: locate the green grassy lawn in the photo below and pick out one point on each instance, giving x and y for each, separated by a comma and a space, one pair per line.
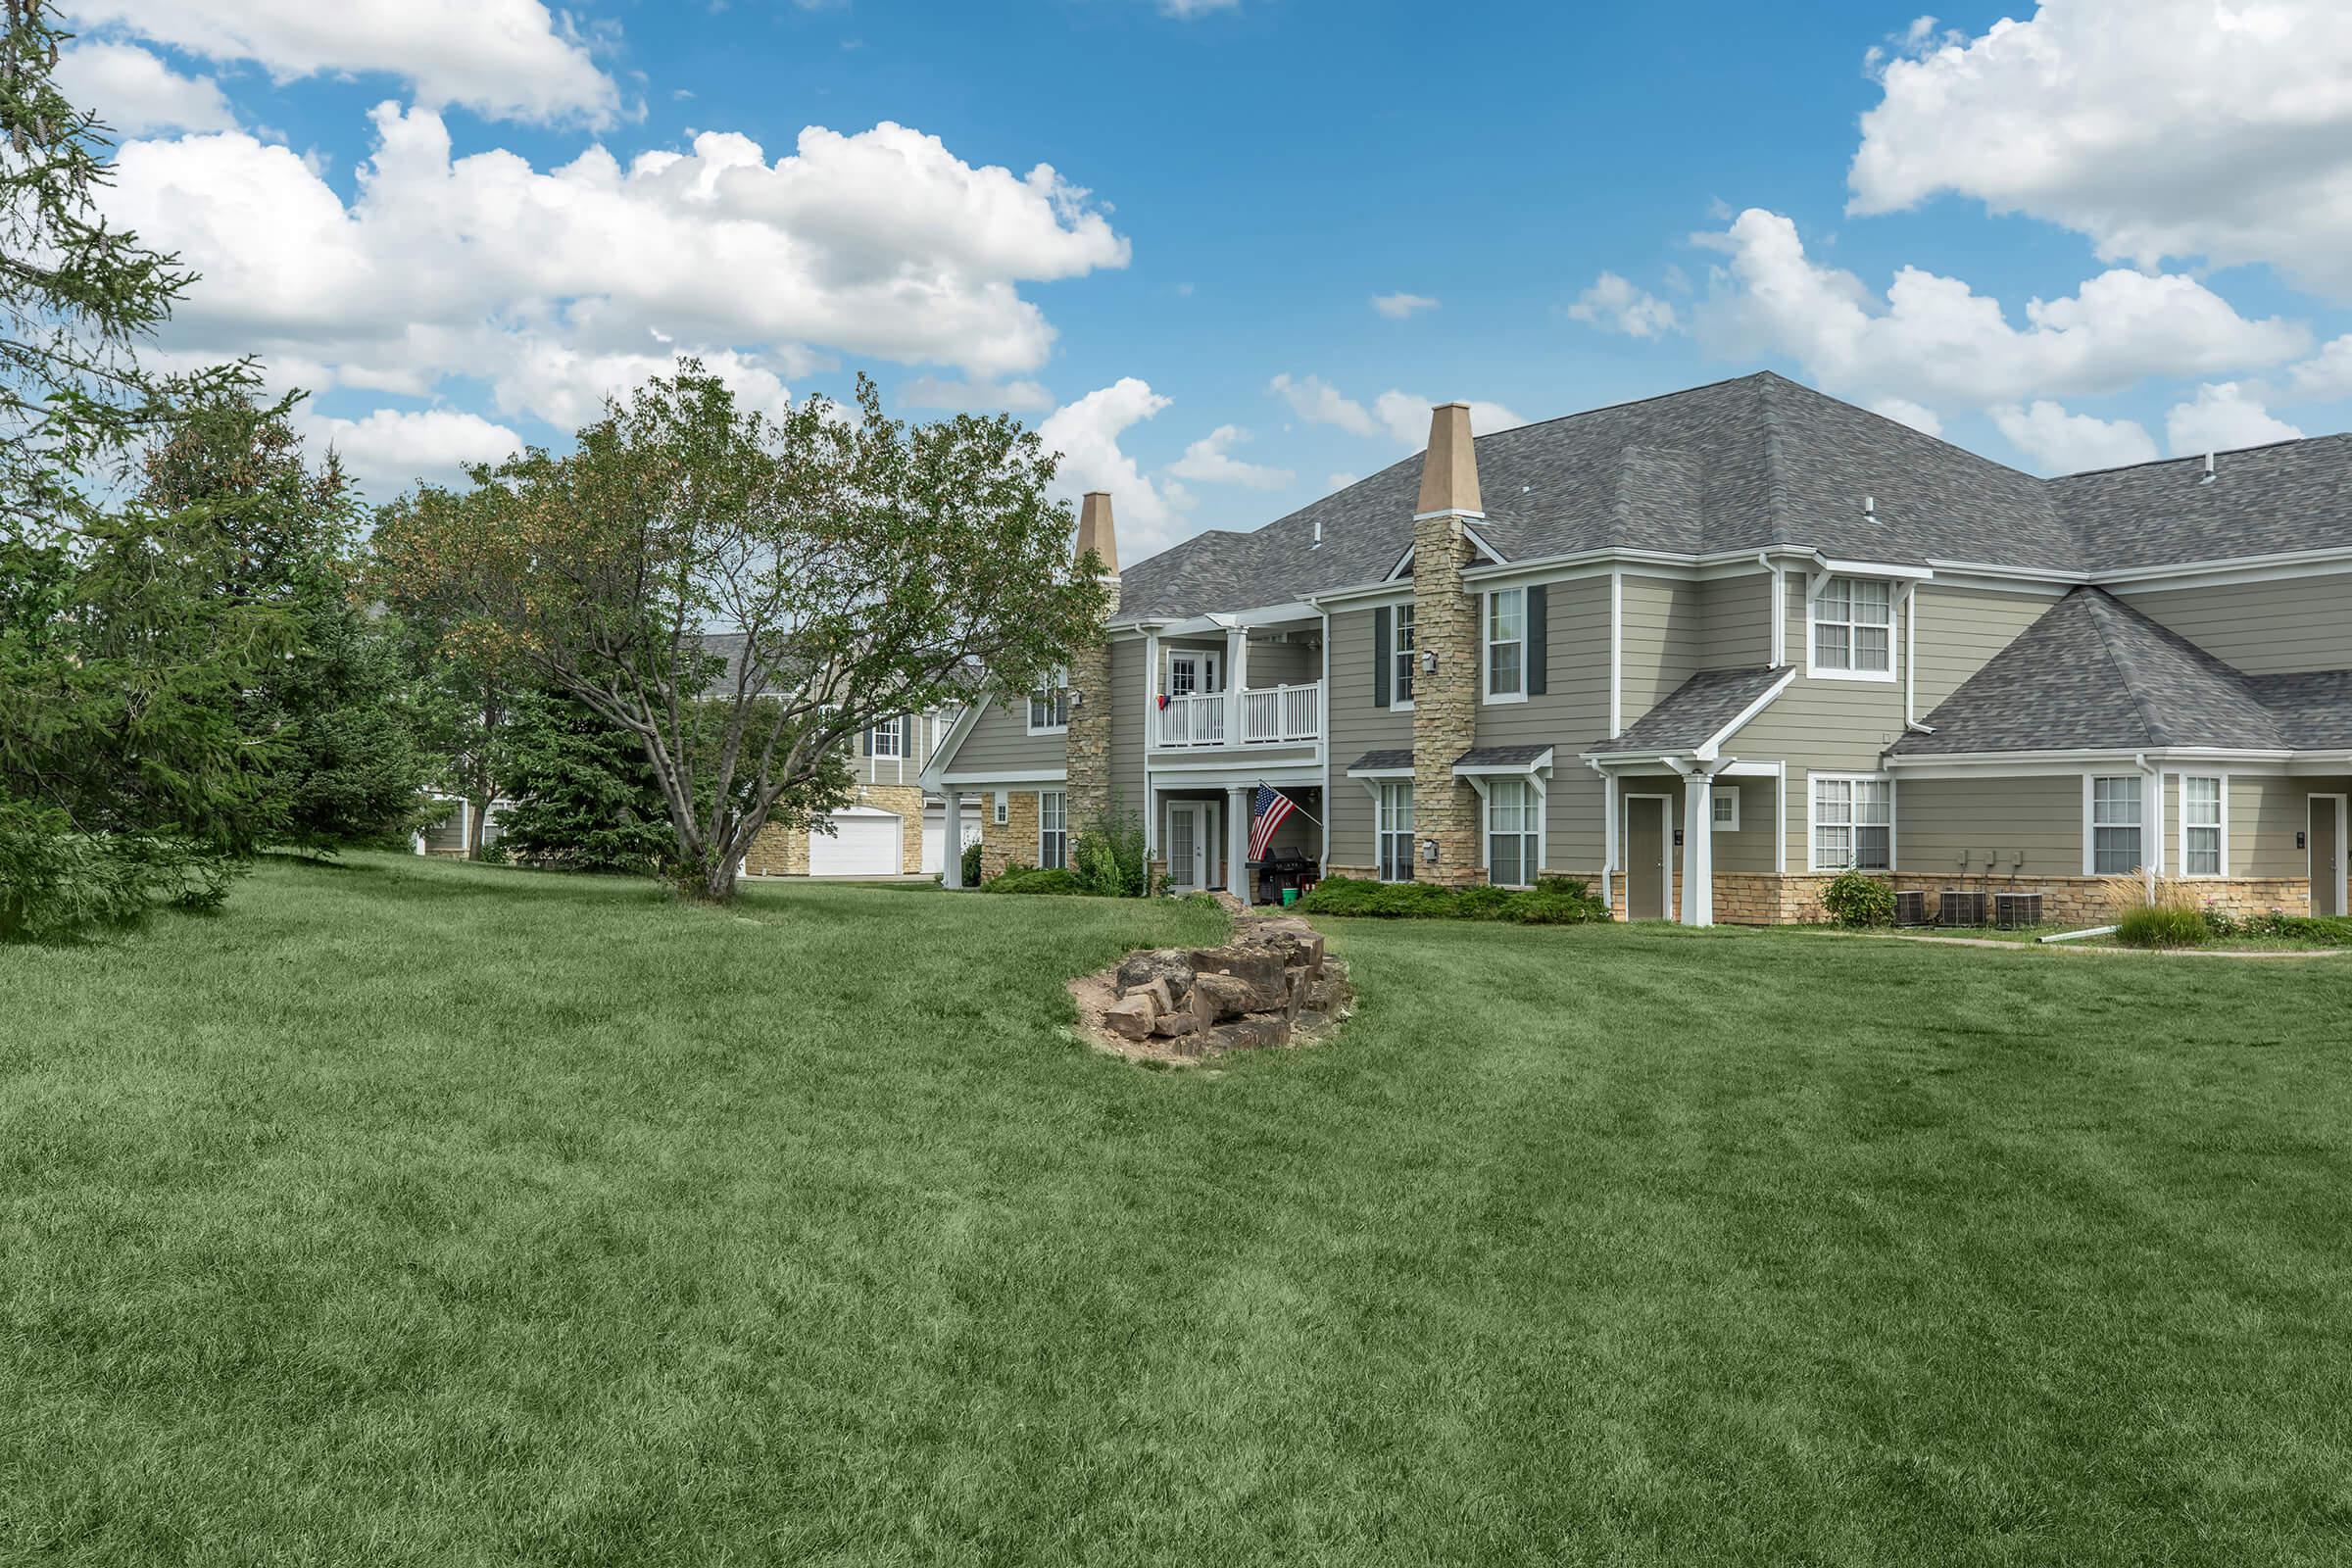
421, 1215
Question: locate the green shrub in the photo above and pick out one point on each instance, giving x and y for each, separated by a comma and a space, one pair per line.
971, 865
55, 882
1856, 898
1029, 879
2332, 930
1110, 861
1560, 901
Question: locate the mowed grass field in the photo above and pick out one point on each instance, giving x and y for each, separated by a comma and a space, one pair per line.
413, 1214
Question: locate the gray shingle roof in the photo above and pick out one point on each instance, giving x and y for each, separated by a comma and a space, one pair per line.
1760, 462
2094, 674
1478, 757
1383, 761
2295, 494
1694, 712
2314, 709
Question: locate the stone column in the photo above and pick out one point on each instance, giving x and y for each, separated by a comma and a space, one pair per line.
1445, 623
952, 873
1698, 849
1087, 747
1237, 814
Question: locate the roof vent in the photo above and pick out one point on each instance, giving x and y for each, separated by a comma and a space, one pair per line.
1869, 509
2209, 475
1318, 544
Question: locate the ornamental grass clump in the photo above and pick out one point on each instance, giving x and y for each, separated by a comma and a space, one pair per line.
2162, 913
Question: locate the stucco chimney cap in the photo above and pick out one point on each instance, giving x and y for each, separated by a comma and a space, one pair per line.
1096, 532
1450, 467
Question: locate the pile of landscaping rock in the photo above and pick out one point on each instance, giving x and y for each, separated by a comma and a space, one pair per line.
1270, 983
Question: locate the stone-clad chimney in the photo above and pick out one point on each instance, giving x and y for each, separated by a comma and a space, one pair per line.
1446, 624
1087, 745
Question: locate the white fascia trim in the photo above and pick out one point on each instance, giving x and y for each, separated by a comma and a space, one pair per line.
1303, 778
1712, 746
1479, 541
1834, 567
960, 782
1992, 569
1403, 562
1366, 596
2246, 568
936, 769
1650, 563
1380, 772
2069, 760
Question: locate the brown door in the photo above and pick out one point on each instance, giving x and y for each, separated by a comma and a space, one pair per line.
1645, 858
2327, 856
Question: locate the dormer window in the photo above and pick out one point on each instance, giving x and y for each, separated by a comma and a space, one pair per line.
1853, 629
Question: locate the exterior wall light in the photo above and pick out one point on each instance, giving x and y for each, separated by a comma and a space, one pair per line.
1429, 661
1077, 698
1429, 851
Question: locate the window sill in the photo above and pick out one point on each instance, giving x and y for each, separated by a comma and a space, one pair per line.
1057, 729
1870, 676
1492, 701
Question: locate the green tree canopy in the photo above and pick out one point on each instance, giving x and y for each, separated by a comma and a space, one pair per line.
867, 567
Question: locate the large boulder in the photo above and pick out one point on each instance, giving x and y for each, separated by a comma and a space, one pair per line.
1173, 1025
1218, 996
1132, 1017
1165, 964
1256, 966
1246, 1034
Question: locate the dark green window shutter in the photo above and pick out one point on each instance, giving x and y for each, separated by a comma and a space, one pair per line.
1380, 662
865, 743
907, 737
1538, 649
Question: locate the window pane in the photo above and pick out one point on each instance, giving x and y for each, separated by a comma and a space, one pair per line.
1870, 648
1874, 800
1833, 849
2203, 800
1837, 601
1833, 801
1829, 645
2204, 851
1874, 602
2115, 801
1502, 669
1725, 807
1874, 848
2115, 851
1509, 615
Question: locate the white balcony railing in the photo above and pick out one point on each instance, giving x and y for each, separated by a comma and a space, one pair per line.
1272, 716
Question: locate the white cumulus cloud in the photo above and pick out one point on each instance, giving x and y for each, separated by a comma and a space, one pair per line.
1397, 307
2223, 415
1318, 402
556, 284
1615, 305
137, 94
1211, 461
510, 59
2058, 442
1401, 415
1933, 341
388, 450
1087, 435
2214, 129
1405, 417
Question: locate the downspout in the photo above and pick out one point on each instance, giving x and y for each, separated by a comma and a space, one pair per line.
1608, 835
1910, 654
2151, 824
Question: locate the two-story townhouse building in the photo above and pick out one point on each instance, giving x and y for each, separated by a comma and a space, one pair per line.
1708, 650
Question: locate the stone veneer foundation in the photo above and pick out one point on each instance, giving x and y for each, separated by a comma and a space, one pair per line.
1013, 841
784, 851
1763, 899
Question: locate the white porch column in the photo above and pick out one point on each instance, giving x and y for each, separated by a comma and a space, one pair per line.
1150, 737
952, 873
1237, 814
1237, 678
1698, 849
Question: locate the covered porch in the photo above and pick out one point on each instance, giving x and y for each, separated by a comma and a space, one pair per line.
1198, 824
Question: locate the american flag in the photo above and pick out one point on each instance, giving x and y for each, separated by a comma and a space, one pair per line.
1268, 814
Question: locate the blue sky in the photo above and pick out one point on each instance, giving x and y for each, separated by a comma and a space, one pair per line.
1563, 206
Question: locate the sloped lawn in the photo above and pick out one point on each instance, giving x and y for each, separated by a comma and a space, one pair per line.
421, 1215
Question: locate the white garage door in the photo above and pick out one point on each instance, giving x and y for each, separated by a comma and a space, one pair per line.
863, 844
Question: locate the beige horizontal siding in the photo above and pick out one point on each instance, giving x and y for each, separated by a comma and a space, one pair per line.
2263, 629
1961, 629
1735, 622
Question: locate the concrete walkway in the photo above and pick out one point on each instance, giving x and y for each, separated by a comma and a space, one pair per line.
2072, 947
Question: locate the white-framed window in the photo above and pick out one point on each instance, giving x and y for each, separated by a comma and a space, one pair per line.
886, 741
1004, 811
1853, 822
1853, 629
1514, 821
1506, 645
1394, 830
1726, 818
1401, 657
2117, 816
1049, 707
2204, 825
1053, 830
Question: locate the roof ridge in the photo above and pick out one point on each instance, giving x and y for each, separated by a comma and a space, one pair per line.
1628, 403
2096, 602
2199, 457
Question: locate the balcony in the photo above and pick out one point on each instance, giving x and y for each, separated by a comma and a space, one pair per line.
1276, 715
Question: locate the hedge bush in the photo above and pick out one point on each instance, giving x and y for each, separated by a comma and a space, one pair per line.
2335, 930
1857, 900
1030, 879
1555, 900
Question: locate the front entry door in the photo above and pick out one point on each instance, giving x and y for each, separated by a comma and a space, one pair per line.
1192, 831
2326, 854
1645, 856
